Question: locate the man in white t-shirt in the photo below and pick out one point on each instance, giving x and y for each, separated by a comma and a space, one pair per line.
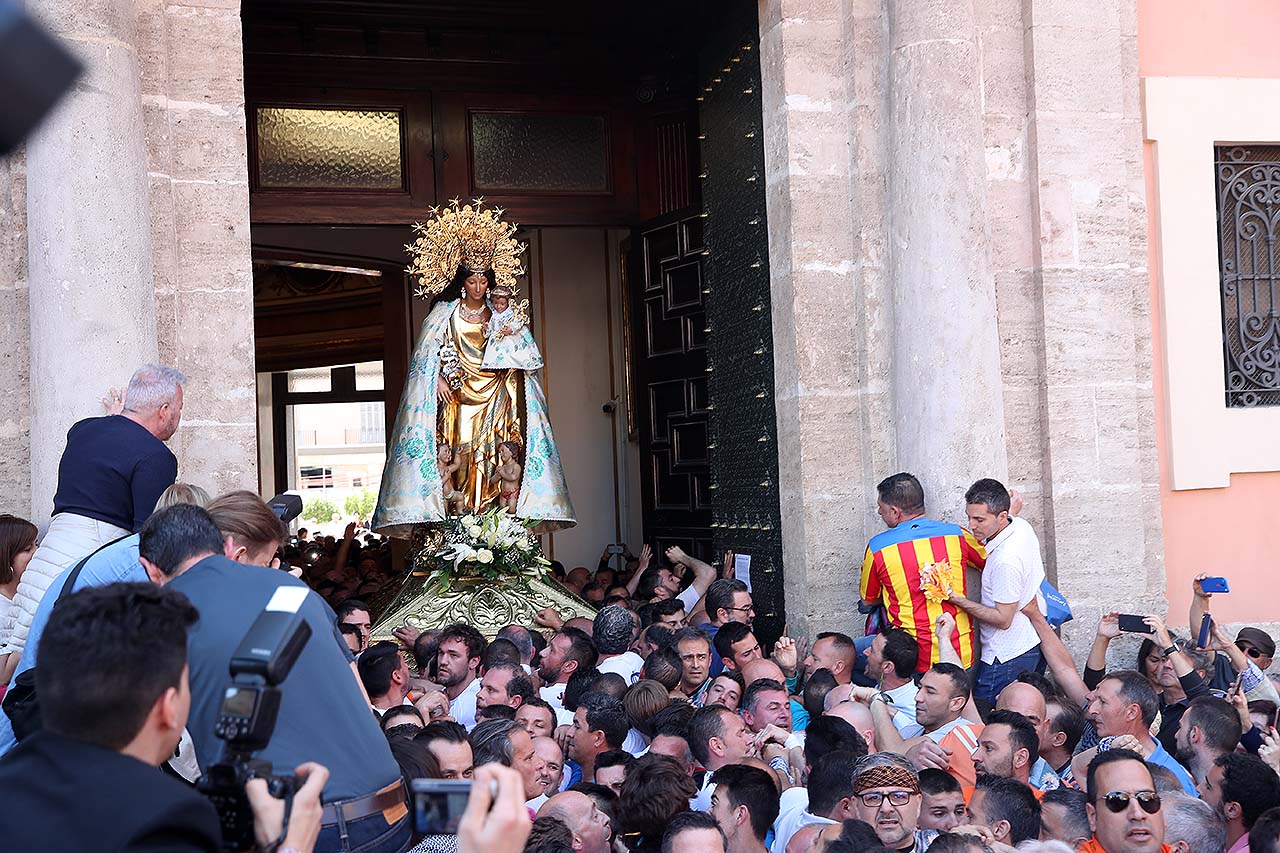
457, 660
1010, 580
611, 633
569, 651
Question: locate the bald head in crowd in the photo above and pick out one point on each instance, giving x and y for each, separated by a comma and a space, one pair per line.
762, 668
590, 827
1028, 701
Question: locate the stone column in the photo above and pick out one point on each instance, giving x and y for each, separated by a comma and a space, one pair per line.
1090, 226
948, 406
92, 300
15, 455
822, 93
197, 162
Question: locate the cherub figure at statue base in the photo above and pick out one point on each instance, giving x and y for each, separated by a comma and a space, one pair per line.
448, 462
508, 473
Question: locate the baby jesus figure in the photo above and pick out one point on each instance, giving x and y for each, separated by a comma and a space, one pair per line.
510, 343
510, 467
448, 462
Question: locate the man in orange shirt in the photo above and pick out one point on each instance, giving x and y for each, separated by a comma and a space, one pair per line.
894, 558
1123, 808
940, 704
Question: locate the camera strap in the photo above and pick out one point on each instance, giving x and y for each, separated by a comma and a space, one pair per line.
284, 824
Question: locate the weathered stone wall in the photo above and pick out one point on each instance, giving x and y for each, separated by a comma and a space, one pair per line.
15, 421
891, 130
832, 306
193, 108
1090, 241
92, 302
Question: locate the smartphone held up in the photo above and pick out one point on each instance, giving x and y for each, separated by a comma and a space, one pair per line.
1131, 624
1214, 585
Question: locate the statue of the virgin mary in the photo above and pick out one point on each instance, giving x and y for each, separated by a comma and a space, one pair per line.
460, 408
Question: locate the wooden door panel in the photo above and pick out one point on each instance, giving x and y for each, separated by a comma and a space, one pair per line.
669, 315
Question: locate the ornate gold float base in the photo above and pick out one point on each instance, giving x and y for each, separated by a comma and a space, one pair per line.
432, 599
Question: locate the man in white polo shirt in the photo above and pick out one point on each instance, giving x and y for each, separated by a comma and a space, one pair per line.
1011, 578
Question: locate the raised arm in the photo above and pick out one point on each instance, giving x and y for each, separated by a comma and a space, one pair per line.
340, 559
1199, 605
1058, 656
887, 737
703, 573
1181, 663
1108, 630
943, 629
646, 554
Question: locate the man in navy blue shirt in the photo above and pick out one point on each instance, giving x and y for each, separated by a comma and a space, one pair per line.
324, 713
112, 472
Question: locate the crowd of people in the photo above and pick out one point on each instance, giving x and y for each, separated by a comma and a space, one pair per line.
960, 722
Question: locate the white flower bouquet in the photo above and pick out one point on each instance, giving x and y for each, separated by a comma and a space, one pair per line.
494, 545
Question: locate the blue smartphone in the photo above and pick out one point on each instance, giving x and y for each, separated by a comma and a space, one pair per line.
1206, 622
1214, 585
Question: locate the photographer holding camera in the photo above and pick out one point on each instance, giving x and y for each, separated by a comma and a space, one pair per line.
323, 711
89, 781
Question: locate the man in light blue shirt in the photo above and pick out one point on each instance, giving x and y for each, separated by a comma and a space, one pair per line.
117, 562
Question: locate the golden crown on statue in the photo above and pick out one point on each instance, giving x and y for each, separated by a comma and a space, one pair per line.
464, 236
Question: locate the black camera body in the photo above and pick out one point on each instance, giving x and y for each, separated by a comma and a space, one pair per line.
247, 719
224, 785
287, 506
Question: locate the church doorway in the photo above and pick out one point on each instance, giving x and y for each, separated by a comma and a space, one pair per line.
583, 121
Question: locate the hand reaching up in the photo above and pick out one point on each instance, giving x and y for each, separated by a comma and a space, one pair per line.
407, 635
1270, 749
113, 402
785, 655
1109, 625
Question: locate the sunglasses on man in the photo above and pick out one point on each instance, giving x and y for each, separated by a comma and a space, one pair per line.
1118, 801
1251, 651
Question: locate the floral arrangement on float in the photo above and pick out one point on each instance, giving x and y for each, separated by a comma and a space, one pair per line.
494, 545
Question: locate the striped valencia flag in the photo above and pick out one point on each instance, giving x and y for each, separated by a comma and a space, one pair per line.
891, 574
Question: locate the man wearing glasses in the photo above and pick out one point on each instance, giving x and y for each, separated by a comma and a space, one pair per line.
886, 794
728, 600
1123, 807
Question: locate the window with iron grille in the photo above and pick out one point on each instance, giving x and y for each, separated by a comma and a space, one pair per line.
1248, 185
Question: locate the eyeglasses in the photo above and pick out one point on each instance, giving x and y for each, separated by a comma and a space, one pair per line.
1251, 651
1118, 801
748, 609
872, 799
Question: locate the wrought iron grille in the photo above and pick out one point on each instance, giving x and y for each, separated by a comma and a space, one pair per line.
1248, 183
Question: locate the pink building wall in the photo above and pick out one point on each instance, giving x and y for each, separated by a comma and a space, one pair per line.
1234, 531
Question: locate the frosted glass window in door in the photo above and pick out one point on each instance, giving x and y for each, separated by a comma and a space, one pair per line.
329, 149
540, 152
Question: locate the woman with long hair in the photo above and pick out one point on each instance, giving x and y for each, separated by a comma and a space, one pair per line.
17, 544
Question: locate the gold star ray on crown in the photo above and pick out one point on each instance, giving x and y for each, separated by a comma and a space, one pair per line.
464, 236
